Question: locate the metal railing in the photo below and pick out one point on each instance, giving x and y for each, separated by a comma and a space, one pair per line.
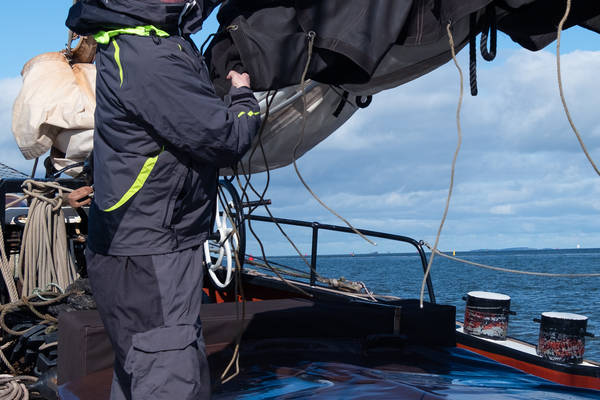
316, 226
13, 185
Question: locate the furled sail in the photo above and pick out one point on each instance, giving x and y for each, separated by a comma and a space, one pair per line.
366, 46
286, 135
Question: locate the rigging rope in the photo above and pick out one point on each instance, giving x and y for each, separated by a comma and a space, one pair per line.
473, 54
5, 359
560, 88
27, 302
261, 195
238, 287
459, 142
311, 41
512, 271
249, 184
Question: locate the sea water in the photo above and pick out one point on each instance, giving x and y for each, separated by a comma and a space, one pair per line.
467, 375
401, 275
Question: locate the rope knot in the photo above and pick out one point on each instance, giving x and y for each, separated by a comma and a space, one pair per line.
43, 192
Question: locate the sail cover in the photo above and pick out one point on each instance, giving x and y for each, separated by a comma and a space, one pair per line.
55, 110
370, 45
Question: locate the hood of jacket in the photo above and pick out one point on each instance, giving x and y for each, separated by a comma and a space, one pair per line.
184, 17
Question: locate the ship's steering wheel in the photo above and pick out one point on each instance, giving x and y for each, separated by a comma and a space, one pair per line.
229, 214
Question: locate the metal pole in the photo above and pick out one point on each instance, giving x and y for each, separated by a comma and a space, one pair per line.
313, 255
3, 203
424, 264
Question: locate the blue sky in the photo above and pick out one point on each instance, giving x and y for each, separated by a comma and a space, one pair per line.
521, 178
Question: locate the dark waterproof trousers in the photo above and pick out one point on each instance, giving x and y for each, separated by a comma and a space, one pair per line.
150, 307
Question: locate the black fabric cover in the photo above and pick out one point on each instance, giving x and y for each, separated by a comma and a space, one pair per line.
85, 348
269, 38
533, 24
83, 345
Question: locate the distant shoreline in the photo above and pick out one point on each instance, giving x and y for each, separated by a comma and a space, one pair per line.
461, 252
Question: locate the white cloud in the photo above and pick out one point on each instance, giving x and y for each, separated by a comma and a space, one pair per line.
351, 137
9, 89
503, 209
520, 101
9, 152
521, 178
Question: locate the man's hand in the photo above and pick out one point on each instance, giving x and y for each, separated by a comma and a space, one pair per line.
79, 197
239, 80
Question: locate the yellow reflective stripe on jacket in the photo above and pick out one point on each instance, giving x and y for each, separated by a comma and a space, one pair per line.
103, 37
249, 113
137, 184
118, 60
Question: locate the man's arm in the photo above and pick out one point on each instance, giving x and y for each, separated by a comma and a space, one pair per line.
178, 102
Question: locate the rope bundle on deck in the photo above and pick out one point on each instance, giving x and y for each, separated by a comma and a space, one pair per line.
45, 260
16, 386
13, 388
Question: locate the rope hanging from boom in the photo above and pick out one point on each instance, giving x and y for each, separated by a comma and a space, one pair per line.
560, 88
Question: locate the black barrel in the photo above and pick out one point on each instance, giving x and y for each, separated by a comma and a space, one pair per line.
562, 337
486, 314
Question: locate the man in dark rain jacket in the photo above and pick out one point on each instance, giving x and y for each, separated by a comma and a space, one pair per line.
161, 134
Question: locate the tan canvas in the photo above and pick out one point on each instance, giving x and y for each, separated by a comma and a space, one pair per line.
55, 108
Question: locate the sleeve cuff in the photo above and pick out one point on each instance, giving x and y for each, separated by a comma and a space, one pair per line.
242, 93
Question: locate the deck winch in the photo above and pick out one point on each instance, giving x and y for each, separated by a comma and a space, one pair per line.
562, 337
486, 314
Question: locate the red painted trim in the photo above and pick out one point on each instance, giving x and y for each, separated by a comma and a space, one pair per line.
555, 376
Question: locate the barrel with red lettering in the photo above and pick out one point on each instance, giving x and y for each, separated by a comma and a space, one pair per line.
486, 314
562, 337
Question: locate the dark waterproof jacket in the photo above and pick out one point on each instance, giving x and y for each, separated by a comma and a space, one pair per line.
161, 133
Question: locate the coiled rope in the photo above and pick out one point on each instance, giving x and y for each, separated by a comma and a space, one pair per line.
458, 144
45, 260
9, 389
560, 88
13, 388
8, 272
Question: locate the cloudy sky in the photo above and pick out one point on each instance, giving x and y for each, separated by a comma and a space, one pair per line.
521, 177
